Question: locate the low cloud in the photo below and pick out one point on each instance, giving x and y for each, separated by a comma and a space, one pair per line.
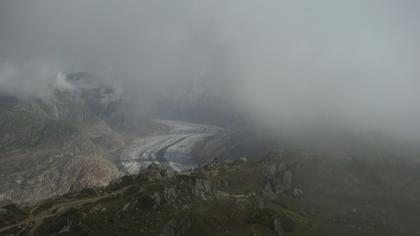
295, 65
31, 80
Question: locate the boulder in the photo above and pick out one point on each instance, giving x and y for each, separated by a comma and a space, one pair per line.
268, 192
278, 228
157, 199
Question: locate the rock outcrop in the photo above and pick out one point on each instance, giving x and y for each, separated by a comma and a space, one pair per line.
278, 178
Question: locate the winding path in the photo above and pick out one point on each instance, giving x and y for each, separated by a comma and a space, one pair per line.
34, 220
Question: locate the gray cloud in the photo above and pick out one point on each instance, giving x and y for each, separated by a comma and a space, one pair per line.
31, 80
294, 64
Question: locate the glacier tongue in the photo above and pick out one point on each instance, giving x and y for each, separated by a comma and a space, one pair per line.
173, 148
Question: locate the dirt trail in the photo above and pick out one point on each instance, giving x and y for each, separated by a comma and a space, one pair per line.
33, 221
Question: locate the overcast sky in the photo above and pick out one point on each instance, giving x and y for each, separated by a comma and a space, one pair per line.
351, 64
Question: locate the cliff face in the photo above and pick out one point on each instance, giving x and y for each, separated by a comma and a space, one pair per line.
52, 146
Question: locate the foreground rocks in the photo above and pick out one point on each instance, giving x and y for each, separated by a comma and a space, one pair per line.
286, 193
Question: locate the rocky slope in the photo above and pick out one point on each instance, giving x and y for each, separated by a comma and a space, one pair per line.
287, 193
51, 146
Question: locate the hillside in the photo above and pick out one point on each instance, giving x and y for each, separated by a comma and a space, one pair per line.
286, 193
51, 146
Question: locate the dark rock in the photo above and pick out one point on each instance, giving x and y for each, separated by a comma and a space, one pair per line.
268, 192
278, 228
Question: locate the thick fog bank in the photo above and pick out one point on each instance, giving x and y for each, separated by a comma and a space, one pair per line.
299, 67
